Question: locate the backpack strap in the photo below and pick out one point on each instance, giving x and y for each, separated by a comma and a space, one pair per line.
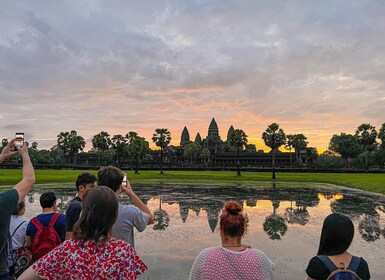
327, 262
36, 223
17, 228
53, 219
354, 263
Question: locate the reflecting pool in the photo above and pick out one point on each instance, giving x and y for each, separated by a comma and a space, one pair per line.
283, 222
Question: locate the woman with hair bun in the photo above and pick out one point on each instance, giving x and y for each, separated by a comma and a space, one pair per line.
232, 260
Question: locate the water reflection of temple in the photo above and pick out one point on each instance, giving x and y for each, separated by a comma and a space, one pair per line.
364, 209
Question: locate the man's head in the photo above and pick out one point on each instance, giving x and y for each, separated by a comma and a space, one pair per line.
84, 182
111, 177
48, 200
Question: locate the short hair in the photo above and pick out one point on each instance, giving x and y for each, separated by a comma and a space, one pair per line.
100, 210
233, 222
20, 206
84, 179
110, 176
47, 199
336, 236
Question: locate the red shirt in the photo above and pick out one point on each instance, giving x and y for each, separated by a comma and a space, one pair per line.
78, 259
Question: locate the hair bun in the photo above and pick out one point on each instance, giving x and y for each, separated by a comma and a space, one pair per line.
233, 207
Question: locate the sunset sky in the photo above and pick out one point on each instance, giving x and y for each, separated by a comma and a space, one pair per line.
314, 67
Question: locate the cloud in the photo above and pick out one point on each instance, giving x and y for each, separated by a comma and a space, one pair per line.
315, 67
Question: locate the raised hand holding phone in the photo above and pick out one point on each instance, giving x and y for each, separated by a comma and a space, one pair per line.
19, 141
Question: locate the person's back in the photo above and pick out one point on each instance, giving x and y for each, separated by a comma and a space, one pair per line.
137, 215
220, 263
129, 217
232, 260
44, 226
336, 236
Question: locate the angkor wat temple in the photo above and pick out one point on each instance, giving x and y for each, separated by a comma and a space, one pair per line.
222, 154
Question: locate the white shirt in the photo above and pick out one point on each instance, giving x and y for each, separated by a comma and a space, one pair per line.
18, 236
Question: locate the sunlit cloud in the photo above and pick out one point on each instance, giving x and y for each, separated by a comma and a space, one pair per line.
313, 67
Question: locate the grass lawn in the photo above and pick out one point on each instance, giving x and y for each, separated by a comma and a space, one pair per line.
368, 182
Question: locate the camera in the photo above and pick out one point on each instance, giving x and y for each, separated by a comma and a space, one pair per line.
19, 140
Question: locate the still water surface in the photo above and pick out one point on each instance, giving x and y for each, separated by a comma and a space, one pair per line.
283, 222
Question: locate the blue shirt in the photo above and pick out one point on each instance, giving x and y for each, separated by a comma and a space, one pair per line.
44, 219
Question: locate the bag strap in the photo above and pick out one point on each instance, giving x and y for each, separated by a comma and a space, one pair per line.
327, 262
36, 223
53, 219
17, 228
354, 263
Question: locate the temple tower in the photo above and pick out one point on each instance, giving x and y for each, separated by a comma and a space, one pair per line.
231, 129
213, 133
185, 138
198, 138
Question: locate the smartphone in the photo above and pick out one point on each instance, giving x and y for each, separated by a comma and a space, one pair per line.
124, 182
19, 140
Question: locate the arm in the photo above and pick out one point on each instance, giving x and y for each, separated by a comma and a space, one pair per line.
137, 202
29, 274
24, 186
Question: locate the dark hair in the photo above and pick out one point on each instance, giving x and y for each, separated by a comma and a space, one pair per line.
100, 209
336, 236
20, 206
111, 177
84, 179
47, 199
233, 221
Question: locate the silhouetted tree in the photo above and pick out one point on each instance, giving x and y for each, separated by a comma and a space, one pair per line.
274, 137
346, 145
161, 138
238, 139
367, 135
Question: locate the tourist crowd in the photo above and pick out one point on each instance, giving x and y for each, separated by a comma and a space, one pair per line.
95, 239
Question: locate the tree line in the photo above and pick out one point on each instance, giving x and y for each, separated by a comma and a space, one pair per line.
365, 148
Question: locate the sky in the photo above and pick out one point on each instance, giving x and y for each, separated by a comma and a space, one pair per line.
313, 67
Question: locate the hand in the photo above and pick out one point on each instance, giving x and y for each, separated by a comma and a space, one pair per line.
127, 189
23, 150
8, 151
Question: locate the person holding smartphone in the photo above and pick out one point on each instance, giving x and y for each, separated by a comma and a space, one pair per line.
137, 215
10, 199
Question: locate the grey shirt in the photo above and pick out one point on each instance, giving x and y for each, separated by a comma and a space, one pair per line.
129, 216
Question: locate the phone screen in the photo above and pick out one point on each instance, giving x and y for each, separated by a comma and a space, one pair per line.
19, 139
124, 183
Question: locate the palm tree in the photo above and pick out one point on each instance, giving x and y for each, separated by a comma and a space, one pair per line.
367, 135
161, 138
63, 143
101, 142
274, 137
238, 138
289, 146
76, 144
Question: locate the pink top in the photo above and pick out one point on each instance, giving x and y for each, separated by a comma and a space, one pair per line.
221, 263
78, 259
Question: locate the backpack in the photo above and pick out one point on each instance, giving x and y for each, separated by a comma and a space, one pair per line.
342, 273
45, 239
